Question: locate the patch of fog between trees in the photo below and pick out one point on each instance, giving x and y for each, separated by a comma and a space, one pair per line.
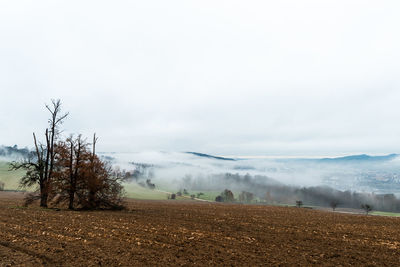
274, 181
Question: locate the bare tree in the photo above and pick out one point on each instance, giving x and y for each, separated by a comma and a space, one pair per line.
78, 153
39, 165
93, 170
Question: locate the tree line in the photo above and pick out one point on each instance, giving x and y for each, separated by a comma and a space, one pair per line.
13, 151
68, 170
274, 192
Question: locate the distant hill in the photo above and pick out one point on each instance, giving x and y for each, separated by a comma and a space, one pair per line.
361, 158
208, 156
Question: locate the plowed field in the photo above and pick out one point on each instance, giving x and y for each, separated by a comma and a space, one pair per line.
165, 233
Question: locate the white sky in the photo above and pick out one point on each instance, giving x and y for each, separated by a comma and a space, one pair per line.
222, 77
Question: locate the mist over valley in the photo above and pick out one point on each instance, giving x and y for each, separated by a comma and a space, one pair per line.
379, 174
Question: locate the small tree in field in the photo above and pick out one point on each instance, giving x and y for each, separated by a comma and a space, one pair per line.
367, 208
333, 204
299, 203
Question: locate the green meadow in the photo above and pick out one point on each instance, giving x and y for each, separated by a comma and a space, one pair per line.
9, 178
384, 213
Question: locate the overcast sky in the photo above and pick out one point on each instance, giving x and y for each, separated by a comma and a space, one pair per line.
221, 77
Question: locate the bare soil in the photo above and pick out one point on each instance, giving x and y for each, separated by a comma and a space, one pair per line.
165, 233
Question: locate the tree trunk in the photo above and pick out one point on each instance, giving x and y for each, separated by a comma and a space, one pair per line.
92, 199
71, 199
43, 196
71, 177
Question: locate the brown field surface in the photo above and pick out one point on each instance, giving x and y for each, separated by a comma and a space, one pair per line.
165, 233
